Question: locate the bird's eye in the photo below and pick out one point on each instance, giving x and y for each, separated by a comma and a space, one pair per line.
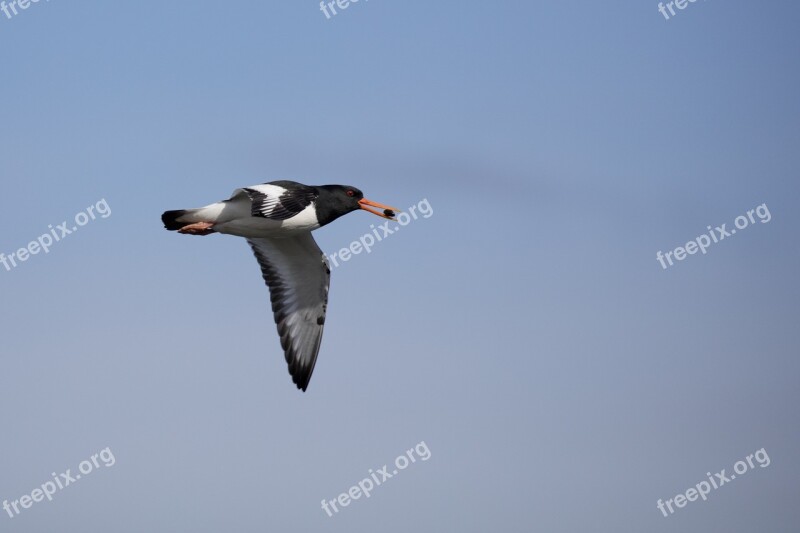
351, 193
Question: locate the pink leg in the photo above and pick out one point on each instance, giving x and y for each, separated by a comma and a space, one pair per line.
198, 228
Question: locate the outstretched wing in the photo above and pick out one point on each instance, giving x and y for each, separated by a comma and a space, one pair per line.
280, 202
298, 277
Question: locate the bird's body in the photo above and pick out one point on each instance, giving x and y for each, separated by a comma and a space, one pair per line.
277, 218
257, 211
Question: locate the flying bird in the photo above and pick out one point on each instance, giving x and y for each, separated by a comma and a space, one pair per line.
277, 219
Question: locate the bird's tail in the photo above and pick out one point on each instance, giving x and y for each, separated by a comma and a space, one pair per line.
175, 220
195, 221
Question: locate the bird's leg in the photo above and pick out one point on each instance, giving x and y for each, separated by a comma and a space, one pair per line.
198, 228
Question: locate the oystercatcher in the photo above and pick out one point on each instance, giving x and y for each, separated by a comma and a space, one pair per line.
277, 219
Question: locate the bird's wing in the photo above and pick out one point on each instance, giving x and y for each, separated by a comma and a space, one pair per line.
277, 202
298, 277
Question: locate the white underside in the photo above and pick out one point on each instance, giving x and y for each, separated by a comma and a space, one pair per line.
233, 218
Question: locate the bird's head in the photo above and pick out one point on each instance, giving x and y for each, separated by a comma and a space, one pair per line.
343, 199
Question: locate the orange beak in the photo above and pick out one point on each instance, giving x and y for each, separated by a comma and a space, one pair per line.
388, 212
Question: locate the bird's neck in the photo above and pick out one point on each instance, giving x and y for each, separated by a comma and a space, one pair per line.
329, 206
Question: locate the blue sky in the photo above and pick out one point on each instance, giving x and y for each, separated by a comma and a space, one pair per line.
562, 380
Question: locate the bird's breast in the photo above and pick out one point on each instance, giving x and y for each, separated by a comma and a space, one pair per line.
305, 220
255, 227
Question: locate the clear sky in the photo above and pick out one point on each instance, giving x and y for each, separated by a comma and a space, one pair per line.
560, 377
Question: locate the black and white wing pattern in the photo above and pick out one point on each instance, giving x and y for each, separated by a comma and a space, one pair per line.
298, 277
280, 200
